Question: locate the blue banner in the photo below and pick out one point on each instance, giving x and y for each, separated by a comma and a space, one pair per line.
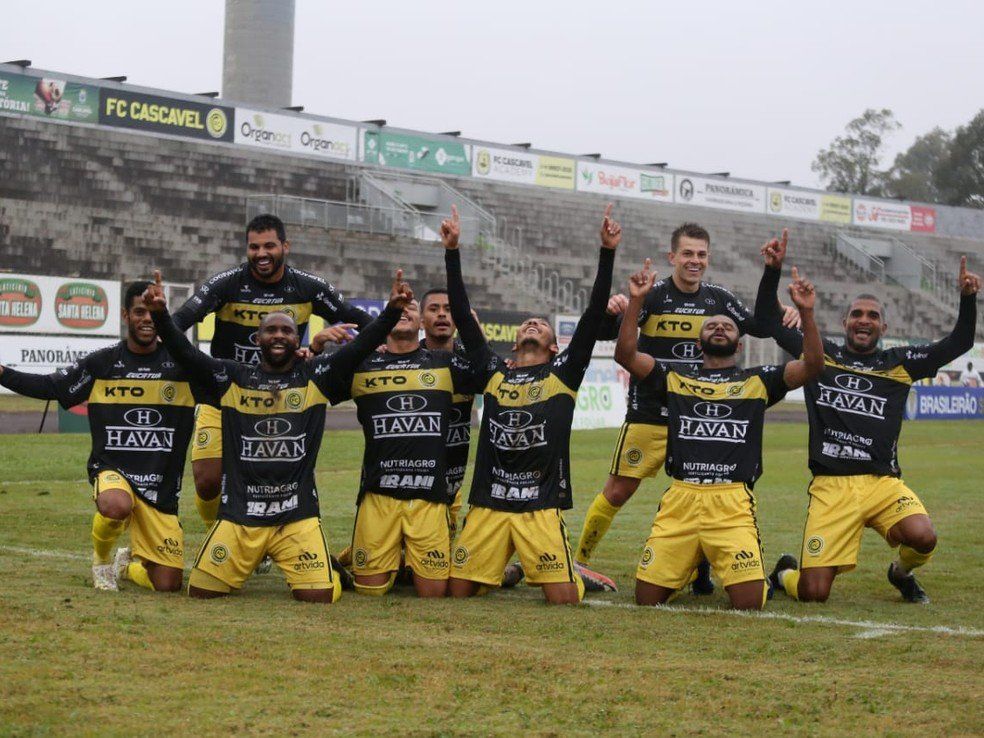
945, 403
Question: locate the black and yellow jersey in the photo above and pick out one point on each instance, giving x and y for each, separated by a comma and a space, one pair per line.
141, 415
716, 416
669, 326
458, 441
856, 406
240, 301
272, 423
522, 462
405, 404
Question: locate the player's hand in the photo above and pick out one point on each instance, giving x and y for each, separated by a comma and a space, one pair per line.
642, 281
617, 304
153, 296
400, 295
775, 250
611, 231
802, 292
332, 334
970, 283
790, 316
451, 229
304, 353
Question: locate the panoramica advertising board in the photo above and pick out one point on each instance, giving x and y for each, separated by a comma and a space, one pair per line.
419, 153
720, 193
296, 135
136, 110
624, 181
35, 304
49, 98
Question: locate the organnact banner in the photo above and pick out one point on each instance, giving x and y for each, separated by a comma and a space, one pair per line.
297, 135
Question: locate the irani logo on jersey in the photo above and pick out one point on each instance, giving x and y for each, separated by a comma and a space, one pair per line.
850, 394
273, 442
143, 432
514, 430
711, 422
406, 419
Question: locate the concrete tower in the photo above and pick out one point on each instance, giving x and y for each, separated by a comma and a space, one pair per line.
258, 59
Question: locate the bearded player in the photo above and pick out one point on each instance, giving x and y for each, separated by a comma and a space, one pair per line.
669, 326
240, 298
274, 417
855, 411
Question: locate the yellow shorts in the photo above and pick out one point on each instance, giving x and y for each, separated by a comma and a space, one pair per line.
231, 552
489, 538
694, 520
640, 450
208, 433
154, 536
385, 525
454, 512
842, 507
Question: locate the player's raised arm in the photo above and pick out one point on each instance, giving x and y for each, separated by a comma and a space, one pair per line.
808, 368
346, 359
469, 330
638, 364
926, 361
586, 334
770, 314
197, 363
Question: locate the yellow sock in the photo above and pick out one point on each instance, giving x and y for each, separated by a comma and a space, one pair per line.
790, 582
910, 558
208, 509
105, 531
137, 573
336, 590
580, 588
597, 521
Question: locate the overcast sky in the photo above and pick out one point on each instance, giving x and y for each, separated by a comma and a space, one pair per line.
754, 87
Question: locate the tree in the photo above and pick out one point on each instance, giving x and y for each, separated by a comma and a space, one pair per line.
850, 163
914, 176
961, 180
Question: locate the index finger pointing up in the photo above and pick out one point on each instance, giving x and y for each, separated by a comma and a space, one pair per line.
157, 276
608, 210
454, 213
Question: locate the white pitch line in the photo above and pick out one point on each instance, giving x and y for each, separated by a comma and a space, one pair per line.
44, 553
870, 629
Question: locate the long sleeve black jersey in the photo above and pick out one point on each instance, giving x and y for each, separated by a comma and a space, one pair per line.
272, 423
406, 404
856, 406
141, 414
669, 326
716, 416
240, 301
523, 458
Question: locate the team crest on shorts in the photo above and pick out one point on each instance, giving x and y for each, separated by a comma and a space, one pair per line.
112, 477
202, 439
633, 456
461, 556
218, 554
814, 545
360, 557
647, 557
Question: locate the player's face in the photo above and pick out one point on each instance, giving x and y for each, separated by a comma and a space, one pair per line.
536, 332
719, 336
408, 326
436, 317
265, 253
278, 339
689, 261
864, 326
139, 324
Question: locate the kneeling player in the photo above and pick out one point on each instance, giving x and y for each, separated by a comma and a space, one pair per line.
855, 411
522, 480
141, 415
714, 451
273, 418
405, 396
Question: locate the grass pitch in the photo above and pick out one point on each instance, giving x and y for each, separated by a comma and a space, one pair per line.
73, 660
